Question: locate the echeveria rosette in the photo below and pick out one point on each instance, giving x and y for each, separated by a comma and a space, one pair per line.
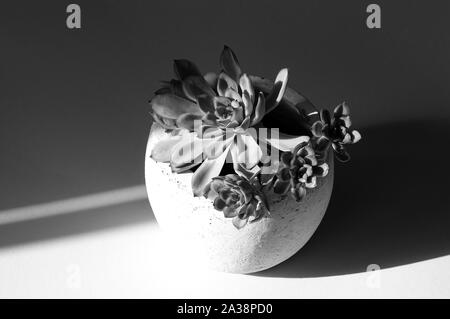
298, 171
227, 100
335, 130
226, 106
238, 198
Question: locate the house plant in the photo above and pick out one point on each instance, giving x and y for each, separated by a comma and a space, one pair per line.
240, 168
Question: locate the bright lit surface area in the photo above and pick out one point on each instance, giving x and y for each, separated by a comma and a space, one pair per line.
119, 251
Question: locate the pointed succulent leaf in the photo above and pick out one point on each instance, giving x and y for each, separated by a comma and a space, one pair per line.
238, 115
214, 147
162, 151
185, 167
220, 101
209, 120
187, 121
216, 184
184, 68
195, 86
239, 223
285, 142
263, 206
281, 187
163, 90
356, 136
229, 63
347, 139
172, 106
288, 119
244, 125
239, 167
341, 154
249, 211
246, 85
241, 170
347, 121
321, 144
208, 169
248, 104
232, 125
299, 192
286, 158
224, 83
260, 109
317, 128
249, 152
267, 178
164, 122
321, 170
187, 151
284, 174
219, 203
341, 110
231, 179
259, 214
173, 86
233, 95
325, 116
279, 87
206, 103
311, 182
230, 212
211, 132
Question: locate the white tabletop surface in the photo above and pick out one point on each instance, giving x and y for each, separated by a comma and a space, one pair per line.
133, 260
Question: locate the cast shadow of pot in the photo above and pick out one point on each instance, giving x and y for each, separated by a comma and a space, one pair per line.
390, 205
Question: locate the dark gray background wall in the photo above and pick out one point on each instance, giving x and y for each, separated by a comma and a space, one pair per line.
73, 113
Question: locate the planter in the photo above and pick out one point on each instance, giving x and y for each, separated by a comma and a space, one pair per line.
212, 238
239, 169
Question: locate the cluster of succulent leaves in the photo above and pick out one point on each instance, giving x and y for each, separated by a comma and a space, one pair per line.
231, 102
335, 131
238, 198
297, 171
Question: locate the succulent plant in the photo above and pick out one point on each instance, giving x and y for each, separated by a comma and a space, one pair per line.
298, 170
238, 198
212, 117
227, 100
225, 106
335, 130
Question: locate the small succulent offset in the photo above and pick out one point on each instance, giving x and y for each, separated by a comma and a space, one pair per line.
209, 118
298, 171
336, 130
237, 198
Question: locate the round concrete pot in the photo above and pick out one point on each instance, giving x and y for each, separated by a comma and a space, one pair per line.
211, 239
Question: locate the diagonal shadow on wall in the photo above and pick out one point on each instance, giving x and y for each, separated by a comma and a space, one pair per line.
136, 212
